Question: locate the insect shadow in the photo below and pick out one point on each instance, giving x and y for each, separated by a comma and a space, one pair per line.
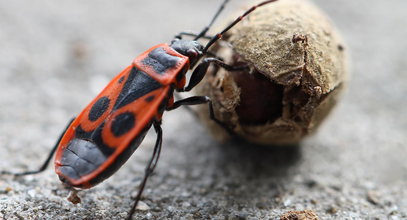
256, 161
253, 174
239, 169
239, 174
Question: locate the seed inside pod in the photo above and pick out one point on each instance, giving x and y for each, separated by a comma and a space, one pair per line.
295, 71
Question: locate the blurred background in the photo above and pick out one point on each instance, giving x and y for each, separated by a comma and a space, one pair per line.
55, 56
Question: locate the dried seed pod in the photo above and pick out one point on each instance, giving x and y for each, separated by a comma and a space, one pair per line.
299, 215
296, 71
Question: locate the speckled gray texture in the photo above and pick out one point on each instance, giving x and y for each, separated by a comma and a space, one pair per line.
56, 55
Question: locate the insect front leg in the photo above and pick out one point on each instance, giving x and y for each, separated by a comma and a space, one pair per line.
149, 168
46, 162
202, 68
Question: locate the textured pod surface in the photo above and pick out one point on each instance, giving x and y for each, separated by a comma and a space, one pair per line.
296, 70
299, 215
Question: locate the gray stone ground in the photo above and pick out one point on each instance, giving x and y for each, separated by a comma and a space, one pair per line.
56, 55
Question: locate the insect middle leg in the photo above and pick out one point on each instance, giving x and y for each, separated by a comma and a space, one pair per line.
149, 168
46, 162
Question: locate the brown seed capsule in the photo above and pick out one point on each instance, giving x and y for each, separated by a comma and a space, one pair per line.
296, 70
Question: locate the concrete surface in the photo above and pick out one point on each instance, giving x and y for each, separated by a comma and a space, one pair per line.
56, 55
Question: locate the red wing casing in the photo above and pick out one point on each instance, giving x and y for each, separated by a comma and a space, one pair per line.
112, 126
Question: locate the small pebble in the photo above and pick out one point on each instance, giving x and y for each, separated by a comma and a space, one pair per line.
373, 197
32, 193
73, 197
287, 202
142, 206
332, 210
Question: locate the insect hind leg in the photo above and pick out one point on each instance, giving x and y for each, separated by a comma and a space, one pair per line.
46, 162
149, 168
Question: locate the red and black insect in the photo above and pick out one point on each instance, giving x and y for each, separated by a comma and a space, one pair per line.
105, 134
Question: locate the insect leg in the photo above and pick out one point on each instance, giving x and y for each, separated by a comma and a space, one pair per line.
46, 162
188, 108
193, 100
202, 68
196, 100
149, 168
179, 97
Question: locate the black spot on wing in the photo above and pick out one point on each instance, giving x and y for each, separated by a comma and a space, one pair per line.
123, 123
121, 79
160, 60
80, 133
150, 98
137, 85
99, 108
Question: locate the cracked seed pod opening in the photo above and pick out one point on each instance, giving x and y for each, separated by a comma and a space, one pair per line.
296, 70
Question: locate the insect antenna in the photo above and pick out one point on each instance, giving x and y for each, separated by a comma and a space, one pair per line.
219, 35
203, 32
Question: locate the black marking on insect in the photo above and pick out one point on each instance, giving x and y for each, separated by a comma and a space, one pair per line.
123, 123
121, 79
95, 136
99, 108
150, 98
160, 60
131, 91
